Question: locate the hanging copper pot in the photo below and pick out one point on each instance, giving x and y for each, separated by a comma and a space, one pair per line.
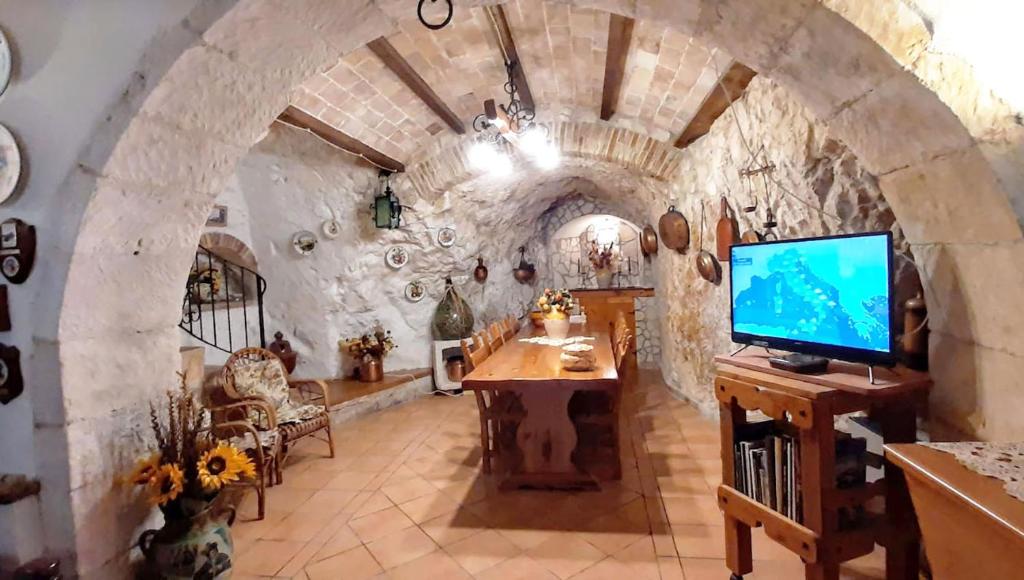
524, 272
751, 237
480, 272
649, 241
707, 265
674, 230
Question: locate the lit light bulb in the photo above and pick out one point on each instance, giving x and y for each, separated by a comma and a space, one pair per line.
482, 155
534, 142
501, 166
549, 159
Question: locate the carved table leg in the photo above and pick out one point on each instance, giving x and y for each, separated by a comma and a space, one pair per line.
547, 435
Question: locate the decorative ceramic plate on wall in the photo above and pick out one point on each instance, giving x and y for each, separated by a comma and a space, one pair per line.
446, 237
396, 257
331, 229
304, 242
10, 164
5, 62
414, 291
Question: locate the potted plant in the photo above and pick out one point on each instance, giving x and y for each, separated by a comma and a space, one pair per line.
369, 350
602, 258
184, 477
556, 306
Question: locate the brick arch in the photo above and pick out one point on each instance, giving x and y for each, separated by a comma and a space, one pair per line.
230, 248
167, 153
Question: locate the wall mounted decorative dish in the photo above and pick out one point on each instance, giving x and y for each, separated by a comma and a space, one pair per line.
5, 62
17, 250
414, 291
446, 237
304, 242
331, 229
10, 164
396, 257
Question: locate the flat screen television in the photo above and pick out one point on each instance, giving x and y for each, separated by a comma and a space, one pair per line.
827, 296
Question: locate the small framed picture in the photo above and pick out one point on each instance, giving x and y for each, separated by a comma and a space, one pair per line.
218, 217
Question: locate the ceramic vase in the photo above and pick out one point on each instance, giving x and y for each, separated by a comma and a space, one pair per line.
192, 547
371, 369
453, 319
603, 277
556, 328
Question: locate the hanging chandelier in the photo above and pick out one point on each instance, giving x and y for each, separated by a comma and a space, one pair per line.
510, 125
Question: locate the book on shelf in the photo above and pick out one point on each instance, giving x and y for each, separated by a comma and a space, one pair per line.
767, 467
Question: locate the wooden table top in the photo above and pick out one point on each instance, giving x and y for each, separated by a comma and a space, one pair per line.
841, 376
522, 365
944, 473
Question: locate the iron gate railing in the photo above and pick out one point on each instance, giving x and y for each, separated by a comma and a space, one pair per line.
215, 287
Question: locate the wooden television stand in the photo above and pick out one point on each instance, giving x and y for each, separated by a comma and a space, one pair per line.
807, 405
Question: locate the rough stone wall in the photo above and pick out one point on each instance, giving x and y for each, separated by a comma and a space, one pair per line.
292, 182
831, 194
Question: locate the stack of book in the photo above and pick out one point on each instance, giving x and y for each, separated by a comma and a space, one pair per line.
768, 466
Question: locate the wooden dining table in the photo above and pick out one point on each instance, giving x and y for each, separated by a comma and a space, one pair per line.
546, 436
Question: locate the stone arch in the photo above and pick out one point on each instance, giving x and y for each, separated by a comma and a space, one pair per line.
174, 140
230, 248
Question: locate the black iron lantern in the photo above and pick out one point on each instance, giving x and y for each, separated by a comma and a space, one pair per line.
387, 210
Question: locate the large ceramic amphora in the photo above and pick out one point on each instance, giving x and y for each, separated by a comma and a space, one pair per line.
191, 548
453, 319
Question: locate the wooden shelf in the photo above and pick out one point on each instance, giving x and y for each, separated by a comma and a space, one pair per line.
347, 389
809, 404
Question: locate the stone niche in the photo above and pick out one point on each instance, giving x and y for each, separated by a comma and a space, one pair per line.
234, 263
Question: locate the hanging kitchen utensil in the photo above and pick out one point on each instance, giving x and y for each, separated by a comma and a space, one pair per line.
707, 266
674, 230
649, 241
751, 237
726, 231
524, 272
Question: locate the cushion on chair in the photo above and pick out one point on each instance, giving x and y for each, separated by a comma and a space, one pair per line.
293, 431
267, 379
268, 440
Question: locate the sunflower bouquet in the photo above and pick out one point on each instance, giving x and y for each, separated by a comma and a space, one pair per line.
556, 304
373, 344
189, 467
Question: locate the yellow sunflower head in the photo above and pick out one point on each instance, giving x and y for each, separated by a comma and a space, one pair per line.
166, 484
222, 465
144, 470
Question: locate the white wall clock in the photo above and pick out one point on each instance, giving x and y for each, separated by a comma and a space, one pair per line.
10, 164
5, 62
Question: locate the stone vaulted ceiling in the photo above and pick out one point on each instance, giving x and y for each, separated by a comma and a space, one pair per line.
563, 50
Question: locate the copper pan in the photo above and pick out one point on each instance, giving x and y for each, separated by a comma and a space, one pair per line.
649, 241
674, 230
707, 265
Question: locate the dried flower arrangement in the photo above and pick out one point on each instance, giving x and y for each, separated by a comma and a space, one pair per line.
602, 258
556, 303
189, 467
375, 344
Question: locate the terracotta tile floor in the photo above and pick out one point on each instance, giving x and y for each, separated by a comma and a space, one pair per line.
405, 499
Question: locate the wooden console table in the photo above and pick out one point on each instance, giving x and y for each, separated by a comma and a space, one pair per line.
971, 527
807, 405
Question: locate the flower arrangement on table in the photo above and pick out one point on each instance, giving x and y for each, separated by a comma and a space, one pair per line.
556, 304
189, 467
602, 257
372, 345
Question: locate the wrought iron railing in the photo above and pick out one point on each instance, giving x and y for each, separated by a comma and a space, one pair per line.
215, 287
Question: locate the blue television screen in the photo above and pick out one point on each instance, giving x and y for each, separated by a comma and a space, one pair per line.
832, 292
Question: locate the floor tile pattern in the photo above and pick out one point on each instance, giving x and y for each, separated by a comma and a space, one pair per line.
405, 499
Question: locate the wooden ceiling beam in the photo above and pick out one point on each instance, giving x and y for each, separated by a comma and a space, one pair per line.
505, 40
620, 34
412, 79
734, 81
303, 120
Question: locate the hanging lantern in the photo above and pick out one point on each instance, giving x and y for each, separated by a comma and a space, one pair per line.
387, 210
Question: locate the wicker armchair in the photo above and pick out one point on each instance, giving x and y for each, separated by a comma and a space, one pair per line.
263, 447
291, 429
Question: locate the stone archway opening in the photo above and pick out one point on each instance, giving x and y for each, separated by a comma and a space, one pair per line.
173, 147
